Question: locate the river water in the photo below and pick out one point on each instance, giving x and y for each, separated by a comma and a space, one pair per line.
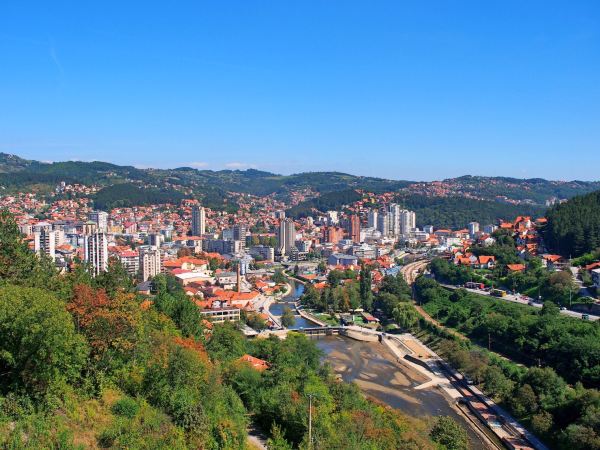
375, 370
277, 308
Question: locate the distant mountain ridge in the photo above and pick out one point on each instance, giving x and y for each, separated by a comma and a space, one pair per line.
17, 173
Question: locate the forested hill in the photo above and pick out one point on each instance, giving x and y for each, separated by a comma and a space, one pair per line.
573, 227
213, 187
457, 212
445, 212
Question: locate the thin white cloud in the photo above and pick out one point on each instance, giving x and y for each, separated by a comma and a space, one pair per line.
56, 61
240, 165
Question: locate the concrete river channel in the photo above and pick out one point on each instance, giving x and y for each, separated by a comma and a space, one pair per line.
379, 374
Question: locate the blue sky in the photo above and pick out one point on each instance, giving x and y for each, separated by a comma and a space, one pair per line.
406, 90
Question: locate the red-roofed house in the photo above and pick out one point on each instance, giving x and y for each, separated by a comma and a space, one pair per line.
255, 363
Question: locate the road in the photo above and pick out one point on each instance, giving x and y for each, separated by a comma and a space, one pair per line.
410, 272
523, 300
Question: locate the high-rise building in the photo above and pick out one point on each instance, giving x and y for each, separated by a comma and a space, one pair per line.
395, 227
332, 218
355, 228
150, 262
198, 220
45, 241
473, 228
156, 239
286, 237
239, 233
372, 219
383, 223
95, 248
130, 260
407, 222
101, 220
332, 234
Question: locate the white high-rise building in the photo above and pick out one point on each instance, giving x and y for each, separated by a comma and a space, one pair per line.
286, 237
407, 222
198, 221
130, 260
150, 262
383, 223
372, 219
101, 220
395, 229
45, 242
95, 248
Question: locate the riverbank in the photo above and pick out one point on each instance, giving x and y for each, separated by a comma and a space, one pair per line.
381, 375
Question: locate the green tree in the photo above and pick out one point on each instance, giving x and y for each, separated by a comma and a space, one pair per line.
277, 440
405, 315
287, 317
366, 295
542, 422
449, 434
38, 341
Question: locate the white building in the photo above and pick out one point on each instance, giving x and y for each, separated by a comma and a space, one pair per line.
332, 218
156, 239
473, 228
130, 260
198, 221
95, 248
100, 218
264, 252
489, 229
383, 224
150, 262
286, 237
596, 277
408, 222
45, 242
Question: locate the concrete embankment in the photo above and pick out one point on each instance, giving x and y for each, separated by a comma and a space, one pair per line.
359, 335
308, 316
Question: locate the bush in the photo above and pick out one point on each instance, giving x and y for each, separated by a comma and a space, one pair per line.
126, 407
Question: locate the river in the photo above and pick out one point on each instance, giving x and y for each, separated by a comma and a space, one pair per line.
277, 308
374, 369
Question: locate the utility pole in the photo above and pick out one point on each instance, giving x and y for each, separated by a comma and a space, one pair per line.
489, 342
310, 421
570, 296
